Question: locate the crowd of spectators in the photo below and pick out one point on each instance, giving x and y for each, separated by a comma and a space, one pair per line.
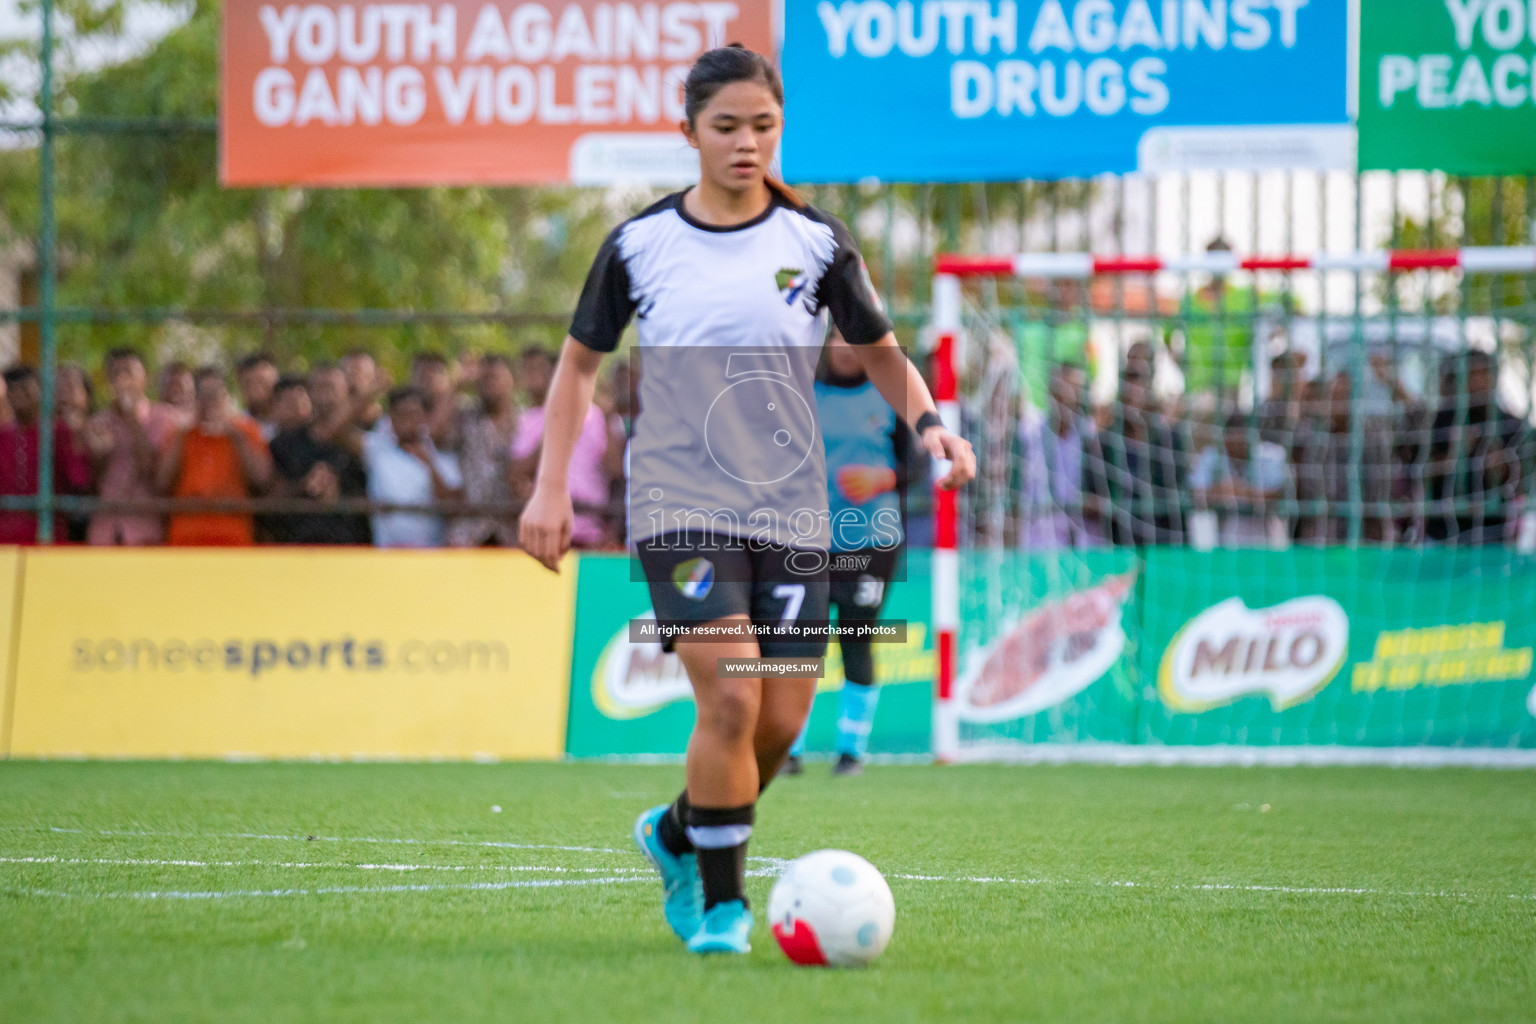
1309, 464
338, 455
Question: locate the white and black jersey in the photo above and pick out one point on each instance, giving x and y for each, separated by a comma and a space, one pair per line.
731, 324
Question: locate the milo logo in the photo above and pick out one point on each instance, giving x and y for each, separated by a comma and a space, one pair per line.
633, 680
1289, 652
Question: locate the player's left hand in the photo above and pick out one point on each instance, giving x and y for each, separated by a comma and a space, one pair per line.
955, 450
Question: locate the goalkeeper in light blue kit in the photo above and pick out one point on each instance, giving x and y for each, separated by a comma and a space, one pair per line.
867, 448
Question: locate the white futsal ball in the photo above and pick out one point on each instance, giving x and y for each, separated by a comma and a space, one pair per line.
831, 907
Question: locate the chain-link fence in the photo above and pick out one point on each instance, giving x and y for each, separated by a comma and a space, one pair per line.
1380, 392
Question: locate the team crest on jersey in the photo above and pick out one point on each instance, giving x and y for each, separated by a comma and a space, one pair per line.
694, 578
791, 282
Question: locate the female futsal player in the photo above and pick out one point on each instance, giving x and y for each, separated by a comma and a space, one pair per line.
727, 494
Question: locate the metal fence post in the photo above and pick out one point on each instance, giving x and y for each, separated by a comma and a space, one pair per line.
47, 272
1357, 359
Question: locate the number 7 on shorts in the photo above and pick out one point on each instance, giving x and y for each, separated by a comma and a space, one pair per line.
793, 596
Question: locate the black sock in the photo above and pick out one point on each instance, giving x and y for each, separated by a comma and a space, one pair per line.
858, 662
672, 830
719, 836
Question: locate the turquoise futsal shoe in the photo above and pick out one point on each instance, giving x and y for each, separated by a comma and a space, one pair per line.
727, 928
683, 893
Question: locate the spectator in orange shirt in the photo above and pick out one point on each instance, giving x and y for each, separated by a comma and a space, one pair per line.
219, 455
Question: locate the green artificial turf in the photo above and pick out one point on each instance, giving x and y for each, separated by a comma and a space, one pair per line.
1156, 894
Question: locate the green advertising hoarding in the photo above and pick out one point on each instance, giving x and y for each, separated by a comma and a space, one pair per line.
1303, 647
1169, 647
1365, 648
632, 700
1448, 85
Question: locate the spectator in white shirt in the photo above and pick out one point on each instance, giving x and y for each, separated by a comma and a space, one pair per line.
1244, 484
404, 468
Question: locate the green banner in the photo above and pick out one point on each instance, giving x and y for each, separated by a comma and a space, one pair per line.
1167, 646
1448, 85
633, 700
1366, 648
1305, 647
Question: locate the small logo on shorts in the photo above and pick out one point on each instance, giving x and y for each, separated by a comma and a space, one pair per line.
791, 282
694, 578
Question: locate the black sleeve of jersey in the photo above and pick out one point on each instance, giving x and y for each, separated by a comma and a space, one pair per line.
845, 290
605, 306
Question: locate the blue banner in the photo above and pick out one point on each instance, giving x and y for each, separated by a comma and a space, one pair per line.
990, 90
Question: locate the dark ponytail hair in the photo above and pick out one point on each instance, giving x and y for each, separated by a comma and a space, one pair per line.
723, 66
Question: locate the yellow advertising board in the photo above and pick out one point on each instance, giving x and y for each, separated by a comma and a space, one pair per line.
292, 654
10, 596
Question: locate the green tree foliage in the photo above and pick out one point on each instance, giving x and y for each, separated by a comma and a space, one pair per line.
954, 218
1475, 211
80, 26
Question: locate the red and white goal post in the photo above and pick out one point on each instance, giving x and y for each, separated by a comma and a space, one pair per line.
948, 272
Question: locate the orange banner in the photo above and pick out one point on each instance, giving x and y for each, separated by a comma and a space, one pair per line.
466, 92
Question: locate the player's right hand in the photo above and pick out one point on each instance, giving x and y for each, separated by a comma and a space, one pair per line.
544, 531
954, 449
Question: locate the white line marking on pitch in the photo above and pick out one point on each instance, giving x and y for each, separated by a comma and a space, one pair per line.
547, 883
323, 839
773, 866
775, 863
172, 894
1299, 890
150, 862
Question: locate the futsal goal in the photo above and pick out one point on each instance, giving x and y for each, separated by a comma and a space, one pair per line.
1219, 518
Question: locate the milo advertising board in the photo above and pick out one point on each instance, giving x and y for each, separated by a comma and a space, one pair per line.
1354, 648
1172, 647
631, 699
